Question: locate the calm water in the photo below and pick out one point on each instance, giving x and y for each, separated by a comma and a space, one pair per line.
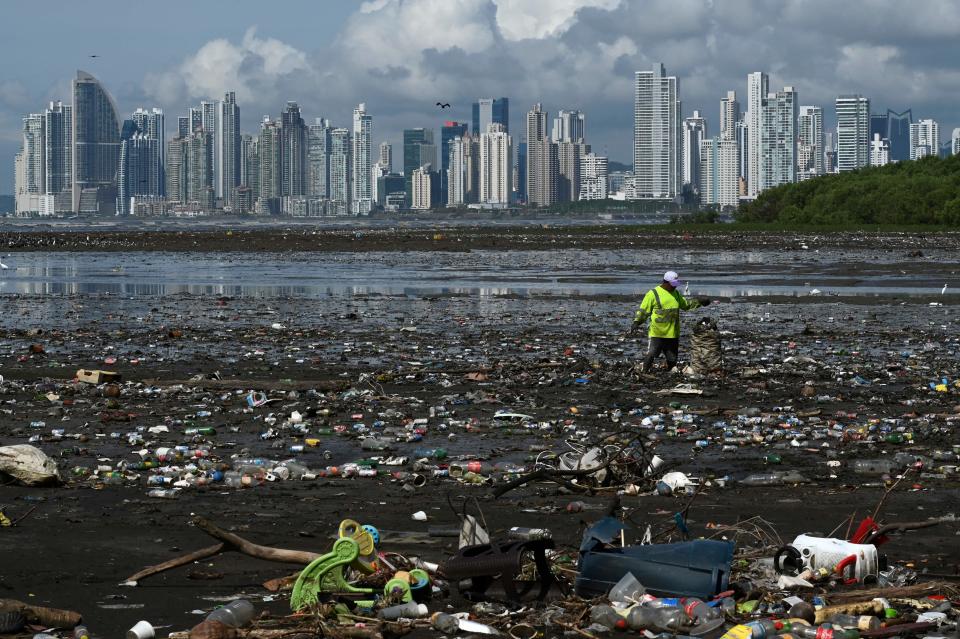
479, 273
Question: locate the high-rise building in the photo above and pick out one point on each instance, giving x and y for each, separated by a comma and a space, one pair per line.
810, 142
898, 133
496, 165
421, 188
568, 126
487, 111
386, 157
743, 151
778, 144
183, 126
757, 90
361, 195
853, 127
195, 116
656, 134
464, 172
719, 172
318, 159
879, 151
448, 133
729, 116
522, 171
829, 153
251, 158
58, 151
96, 146
200, 188
542, 161
693, 134
593, 177
176, 169
228, 147
294, 152
31, 164
955, 142
150, 125
340, 171
418, 150
208, 116
924, 139
270, 152
139, 172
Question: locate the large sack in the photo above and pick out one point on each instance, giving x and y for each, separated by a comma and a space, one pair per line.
29, 465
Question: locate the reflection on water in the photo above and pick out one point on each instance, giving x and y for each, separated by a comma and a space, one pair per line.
475, 274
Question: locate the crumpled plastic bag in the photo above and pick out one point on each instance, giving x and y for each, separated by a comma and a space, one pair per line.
28, 465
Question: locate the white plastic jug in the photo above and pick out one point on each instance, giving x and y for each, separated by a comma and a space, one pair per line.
825, 552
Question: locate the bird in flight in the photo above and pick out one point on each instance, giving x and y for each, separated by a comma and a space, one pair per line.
94, 56
443, 105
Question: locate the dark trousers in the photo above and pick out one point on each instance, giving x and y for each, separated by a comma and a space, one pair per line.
669, 346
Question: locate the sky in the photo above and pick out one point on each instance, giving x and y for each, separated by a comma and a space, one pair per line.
402, 56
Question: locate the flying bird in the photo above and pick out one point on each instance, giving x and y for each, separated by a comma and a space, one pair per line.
943, 291
3, 266
443, 105
94, 56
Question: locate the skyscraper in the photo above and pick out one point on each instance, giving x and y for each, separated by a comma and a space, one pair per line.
719, 172
778, 144
96, 146
448, 133
490, 110
542, 162
176, 169
694, 132
418, 150
30, 165
200, 188
568, 126
656, 134
151, 125
386, 156
853, 127
270, 151
496, 165
593, 177
810, 142
729, 116
183, 126
955, 142
318, 159
228, 146
421, 188
293, 155
924, 139
522, 171
879, 151
251, 154
139, 172
362, 191
58, 143
340, 171
757, 90
898, 132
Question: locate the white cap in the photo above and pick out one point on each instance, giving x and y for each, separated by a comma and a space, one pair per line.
673, 279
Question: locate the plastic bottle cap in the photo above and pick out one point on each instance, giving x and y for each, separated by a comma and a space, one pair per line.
890, 613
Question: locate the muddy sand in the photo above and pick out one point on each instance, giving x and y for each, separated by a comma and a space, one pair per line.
358, 359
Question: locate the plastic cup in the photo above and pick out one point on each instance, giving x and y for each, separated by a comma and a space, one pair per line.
141, 630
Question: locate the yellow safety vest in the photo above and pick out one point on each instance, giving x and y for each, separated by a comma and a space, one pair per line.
663, 308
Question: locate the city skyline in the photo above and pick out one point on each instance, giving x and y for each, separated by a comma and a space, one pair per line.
372, 52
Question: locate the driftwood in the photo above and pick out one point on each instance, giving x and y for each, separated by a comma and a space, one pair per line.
255, 384
228, 541
42, 616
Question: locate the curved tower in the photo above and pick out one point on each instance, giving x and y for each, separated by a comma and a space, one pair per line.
96, 147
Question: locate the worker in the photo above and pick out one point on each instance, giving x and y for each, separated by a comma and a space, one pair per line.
662, 306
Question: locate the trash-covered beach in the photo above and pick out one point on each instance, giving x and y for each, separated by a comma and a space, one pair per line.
371, 408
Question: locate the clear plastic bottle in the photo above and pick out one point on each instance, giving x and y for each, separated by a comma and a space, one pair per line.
820, 632
662, 618
164, 493
608, 617
860, 622
409, 610
235, 614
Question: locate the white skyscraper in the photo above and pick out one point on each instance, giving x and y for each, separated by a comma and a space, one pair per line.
694, 132
729, 115
456, 173
656, 135
778, 143
496, 167
757, 90
568, 126
955, 142
719, 172
151, 125
340, 171
879, 151
318, 159
228, 147
810, 142
594, 174
58, 142
853, 132
924, 139
362, 192
420, 188
29, 166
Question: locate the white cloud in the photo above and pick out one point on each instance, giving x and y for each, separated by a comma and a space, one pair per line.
524, 19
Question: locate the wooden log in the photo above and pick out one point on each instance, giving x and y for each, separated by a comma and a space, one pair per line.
238, 543
41, 615
176, 562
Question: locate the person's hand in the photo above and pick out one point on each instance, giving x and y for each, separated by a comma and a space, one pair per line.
634, 328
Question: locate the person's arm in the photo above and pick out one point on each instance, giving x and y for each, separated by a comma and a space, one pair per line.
643, 312
689, 305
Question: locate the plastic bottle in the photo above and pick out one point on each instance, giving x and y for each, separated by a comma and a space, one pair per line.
81, 632
164, 493
875, 467
527, 534
699, 611
860, 622
235, 614
820, 632
607, 617
409, 610
665, 618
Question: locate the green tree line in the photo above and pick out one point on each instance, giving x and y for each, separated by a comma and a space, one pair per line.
923, 192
